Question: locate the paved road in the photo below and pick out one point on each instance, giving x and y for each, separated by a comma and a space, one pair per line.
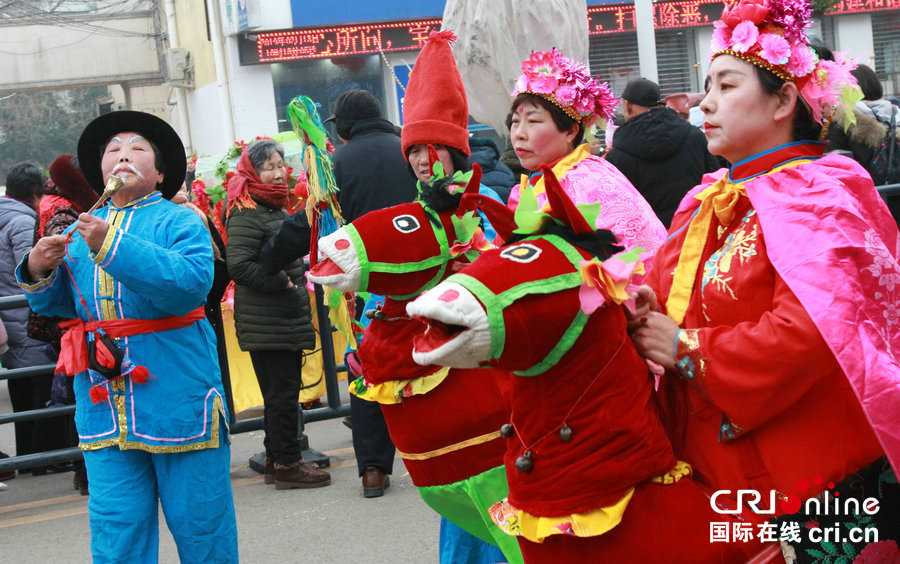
43, 520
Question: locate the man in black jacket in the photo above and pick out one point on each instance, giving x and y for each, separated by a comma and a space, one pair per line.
663, 155
371, 173
369, 169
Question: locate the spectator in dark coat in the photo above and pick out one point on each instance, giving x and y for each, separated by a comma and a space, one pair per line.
372, 174
663, 155
18, 218
873, 121
494, 174
271, 311
364, 167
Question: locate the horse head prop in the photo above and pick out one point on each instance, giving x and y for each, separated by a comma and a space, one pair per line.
444, 429
522, 307
405, 249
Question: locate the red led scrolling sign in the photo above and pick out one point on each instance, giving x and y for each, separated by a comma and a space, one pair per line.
692, 13
311, 43
363, 39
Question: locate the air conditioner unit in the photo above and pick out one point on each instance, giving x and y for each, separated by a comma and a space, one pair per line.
177, 67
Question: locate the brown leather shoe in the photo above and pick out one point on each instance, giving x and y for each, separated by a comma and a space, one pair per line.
300, 475
375, 482
269, 476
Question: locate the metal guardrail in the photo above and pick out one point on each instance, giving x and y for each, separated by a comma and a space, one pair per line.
889, 192
330, 368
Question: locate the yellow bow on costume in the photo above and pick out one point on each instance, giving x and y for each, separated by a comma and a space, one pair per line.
720, 200
580, 153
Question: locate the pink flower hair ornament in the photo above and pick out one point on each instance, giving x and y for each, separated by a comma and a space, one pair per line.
568, 85
771, 35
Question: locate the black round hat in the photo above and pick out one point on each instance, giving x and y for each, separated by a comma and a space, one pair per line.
97, 133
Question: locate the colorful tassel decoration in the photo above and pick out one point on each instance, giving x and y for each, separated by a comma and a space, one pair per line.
322, 208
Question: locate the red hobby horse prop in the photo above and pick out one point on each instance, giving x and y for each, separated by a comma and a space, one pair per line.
445, 422
591, 473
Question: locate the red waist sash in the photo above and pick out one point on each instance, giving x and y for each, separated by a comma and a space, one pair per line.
74, 355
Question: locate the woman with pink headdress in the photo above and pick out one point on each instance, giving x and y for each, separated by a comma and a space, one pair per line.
773, 303
556, 99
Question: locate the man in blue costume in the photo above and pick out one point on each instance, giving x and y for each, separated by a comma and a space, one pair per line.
151, 412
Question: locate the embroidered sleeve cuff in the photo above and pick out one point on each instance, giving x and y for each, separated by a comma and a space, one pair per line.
689, 359
107, 248
24, 279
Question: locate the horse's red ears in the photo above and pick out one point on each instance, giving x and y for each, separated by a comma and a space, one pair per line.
475, 182
432, 158
561, 206
500, 216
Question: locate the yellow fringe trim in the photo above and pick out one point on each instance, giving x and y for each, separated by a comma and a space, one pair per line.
516, 522
394, 391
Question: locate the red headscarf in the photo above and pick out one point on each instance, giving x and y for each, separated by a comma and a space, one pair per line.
246, 183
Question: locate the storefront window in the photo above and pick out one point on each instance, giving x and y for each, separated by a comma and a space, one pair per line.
324, 80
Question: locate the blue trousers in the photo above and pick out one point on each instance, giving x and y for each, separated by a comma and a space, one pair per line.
459, 547
193, 487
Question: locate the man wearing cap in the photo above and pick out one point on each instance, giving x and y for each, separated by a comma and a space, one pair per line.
371, 173
150, 414
369, 169
663, 155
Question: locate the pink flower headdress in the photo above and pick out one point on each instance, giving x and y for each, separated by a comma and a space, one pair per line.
567, 84
770, 34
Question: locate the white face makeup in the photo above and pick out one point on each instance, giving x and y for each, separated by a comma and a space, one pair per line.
130, 156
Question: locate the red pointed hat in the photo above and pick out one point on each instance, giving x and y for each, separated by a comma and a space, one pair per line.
435, 109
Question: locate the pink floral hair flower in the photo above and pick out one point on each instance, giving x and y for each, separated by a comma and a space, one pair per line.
744, 36
566, 94
802, 61
774, 48
721, 38
587, 104
793, 17
567, 83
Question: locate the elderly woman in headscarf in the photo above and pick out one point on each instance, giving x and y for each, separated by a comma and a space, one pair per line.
271, 311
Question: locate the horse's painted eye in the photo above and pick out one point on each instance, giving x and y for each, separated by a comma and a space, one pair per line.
406, 223
521, 253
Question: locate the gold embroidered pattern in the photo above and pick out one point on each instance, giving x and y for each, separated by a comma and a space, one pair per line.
213, 442
106, 284
681, 470
40, 283
689, 358
739, 246
108, 241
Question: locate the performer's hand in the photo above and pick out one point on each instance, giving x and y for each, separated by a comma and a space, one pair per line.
644, 303
654, 339
93, 230
46, 255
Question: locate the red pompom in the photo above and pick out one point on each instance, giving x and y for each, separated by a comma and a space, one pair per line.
99, 394
140, 374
